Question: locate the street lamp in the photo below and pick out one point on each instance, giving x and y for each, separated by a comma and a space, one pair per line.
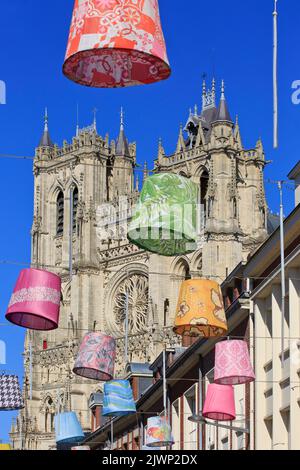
199, 419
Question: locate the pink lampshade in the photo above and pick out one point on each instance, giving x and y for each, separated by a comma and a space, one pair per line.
116, 43
219, 403
232, 363
35, 301
96, 357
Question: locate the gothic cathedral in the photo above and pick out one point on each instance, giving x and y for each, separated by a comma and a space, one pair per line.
79, 190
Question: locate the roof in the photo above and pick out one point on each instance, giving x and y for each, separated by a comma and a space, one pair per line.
295, 172
122, 147
139, 369
46, 140
223, 112
268, 252
273, 222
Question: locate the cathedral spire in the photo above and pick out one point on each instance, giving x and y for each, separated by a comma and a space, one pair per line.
208, 96
46, 140
223, 112
95, 119
122, 148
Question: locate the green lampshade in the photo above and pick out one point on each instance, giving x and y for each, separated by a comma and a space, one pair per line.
164, 221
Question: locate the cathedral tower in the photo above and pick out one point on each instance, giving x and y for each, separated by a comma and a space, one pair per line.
84, 193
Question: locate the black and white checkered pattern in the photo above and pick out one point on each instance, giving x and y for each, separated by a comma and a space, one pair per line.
10, 393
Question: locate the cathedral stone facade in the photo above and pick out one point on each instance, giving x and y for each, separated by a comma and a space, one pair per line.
84, 191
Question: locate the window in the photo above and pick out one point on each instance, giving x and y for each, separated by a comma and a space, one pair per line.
176, 424
190, 433
75, 207
166, 311
49, 416
60, 214
205, 210
225, 443
240, 438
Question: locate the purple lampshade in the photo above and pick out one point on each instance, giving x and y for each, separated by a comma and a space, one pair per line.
219, 403
96, 357
232, 363
35, 301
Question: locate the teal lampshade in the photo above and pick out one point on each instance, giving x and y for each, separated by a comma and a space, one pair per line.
67, 428
118, 399
164, 221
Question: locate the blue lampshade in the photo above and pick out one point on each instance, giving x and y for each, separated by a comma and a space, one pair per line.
118, 399
67, 428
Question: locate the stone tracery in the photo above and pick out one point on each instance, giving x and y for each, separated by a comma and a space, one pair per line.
136, 286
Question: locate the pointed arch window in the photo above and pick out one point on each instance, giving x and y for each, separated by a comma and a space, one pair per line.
204, 207
60, 214
75, 207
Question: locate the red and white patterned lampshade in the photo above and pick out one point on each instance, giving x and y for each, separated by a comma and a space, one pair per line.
96, 357
219, 403
35, 301
232, 363
116, 43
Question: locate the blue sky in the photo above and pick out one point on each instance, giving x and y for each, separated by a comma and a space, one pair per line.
231, 37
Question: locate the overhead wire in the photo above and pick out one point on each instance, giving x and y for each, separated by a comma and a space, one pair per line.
179, 276
139, 168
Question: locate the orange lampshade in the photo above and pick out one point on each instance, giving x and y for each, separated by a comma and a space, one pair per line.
116, 43
200, 309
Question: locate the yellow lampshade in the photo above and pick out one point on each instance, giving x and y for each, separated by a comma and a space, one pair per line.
200, 310
5, 447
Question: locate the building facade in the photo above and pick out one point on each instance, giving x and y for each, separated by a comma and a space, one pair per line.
77, 189
276, 339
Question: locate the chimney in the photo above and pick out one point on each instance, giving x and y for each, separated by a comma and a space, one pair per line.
294, 175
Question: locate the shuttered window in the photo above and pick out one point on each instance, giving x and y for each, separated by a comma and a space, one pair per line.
60, 214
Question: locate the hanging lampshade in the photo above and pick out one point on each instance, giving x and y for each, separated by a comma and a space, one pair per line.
5, 447
219, 403
96, 357
81, 448
67, 428
158, 433
200, 310
116, 43
164, 221
232, 363
35, 301
10, 393
118, 399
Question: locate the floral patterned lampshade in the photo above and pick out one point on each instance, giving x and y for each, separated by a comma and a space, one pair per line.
35, 301
158, 433
116, 43
10, 393
164, 221
200, 309
232, 363
118, 399
219, 403
67, 428
96, 357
